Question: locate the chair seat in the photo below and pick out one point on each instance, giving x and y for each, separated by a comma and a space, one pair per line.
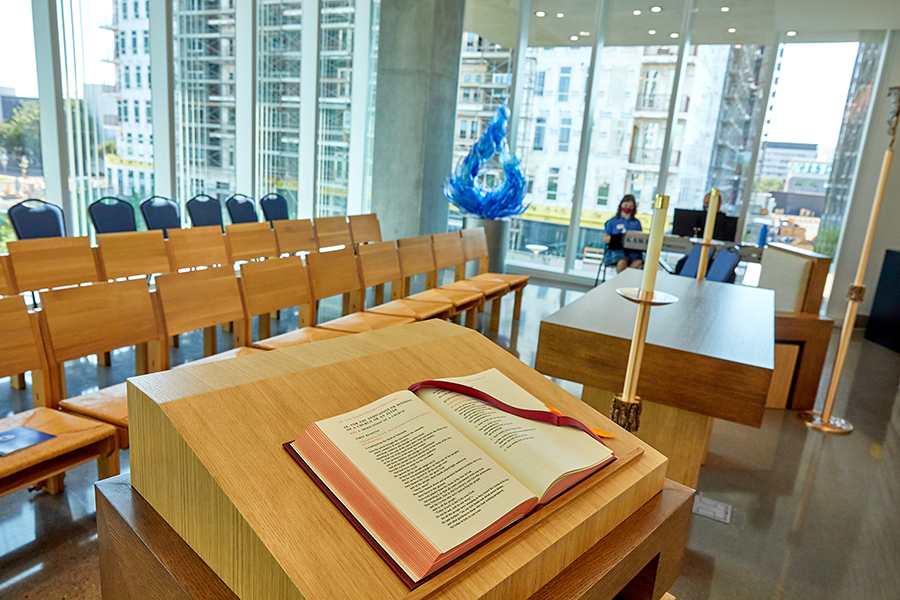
305, 335
72, 433
360, 322
514, 281
456, 297
109, 404
417, 309
233, 353
489, 287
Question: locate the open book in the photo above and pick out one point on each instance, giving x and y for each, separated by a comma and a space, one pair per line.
427, 476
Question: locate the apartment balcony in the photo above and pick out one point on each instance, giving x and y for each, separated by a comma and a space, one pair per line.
111, 56
660, 103
111, 120
652, 156
110, 24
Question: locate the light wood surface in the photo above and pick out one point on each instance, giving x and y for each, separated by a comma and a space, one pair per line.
196, 247
712, 352
783, 375
365, 228
379, 263
333, 231
812, 333
360, 322
295, 235
333, 273
249, 241
22, 349
7, 278
224, 483
304, 335
273, 285
132, 253
52, 262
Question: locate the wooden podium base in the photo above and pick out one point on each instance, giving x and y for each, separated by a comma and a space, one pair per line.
142, 558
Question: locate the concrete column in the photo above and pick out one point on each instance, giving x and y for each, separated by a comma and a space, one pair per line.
415, 114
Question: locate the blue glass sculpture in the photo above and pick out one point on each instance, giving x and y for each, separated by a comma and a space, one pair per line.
468, 193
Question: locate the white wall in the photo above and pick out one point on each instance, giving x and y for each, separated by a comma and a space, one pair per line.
887, 232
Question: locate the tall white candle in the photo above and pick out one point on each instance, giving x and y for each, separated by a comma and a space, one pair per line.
711, 215
654, 245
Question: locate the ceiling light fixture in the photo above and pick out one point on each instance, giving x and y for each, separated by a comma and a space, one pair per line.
652, 32
584, 33
559, 15
731, 30
737, 46
673, 35
655, 9
791, 33
636, 12
724, 9
574, 38
540, 13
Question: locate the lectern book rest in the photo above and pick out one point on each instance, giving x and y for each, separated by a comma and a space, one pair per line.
429, 473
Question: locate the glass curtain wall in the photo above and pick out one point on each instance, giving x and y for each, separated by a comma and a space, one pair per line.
204, 81
278, 99
21, 168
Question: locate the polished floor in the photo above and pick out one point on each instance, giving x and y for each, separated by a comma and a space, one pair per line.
813, 517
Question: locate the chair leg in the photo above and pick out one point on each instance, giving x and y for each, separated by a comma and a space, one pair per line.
209, 341
108, 464
472, 318
56, 484
104, 359
174, 341
275, 314
17, 382
227, 327
495, 314
264, 327
517, 307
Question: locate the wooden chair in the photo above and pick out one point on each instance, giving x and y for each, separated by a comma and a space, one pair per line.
365, 229
129, 254
475, 248
250, 241
272, 285
335, 273
196, 247
8, 285
21, 348
594, 256
379, 263
448, 253
431, 277
333, 231
417, 258
295, 236
201, 299
94, 319
46, 263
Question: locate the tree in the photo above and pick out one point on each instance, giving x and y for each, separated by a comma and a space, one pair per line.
768, 184
22, 133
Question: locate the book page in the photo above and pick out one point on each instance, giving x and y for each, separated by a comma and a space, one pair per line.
444, 484
537, 454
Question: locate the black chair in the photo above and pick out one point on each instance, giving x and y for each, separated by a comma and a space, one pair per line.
161, 213
274, 207
204, 210
112, 215
33, 219
242, 209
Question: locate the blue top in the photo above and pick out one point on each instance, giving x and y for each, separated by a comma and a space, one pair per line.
621, 225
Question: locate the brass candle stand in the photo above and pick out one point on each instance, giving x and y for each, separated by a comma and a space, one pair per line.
707, 242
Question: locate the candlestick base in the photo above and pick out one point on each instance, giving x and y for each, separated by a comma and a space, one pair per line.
634, 295
834, 425
626, 414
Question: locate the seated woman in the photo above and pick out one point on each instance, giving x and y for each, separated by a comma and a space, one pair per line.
625, 220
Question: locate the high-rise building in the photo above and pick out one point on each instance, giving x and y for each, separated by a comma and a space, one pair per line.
777, 157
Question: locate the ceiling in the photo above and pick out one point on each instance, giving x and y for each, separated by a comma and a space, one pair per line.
753, 21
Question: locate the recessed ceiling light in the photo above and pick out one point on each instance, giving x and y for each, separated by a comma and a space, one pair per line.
655, 9
731, 30
724, 9
652, 32
737, 46
673, 35
559, 15
635, 12
584, 33
791, 33
574, 38
540, 13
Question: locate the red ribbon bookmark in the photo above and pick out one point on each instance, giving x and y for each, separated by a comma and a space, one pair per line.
554, 417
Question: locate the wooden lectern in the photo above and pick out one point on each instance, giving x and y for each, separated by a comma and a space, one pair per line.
211, 481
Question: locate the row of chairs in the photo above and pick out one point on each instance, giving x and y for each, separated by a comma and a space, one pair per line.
37, 264
92, 319
33, 219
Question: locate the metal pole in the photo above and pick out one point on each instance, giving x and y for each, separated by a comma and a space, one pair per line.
245, 100
162, 97
518, 82
309, 109
359, 95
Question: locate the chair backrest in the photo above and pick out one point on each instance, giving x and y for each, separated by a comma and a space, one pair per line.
365, 228
474, 244
593, 255
448, 250
798, 277
52, 262
8, 285
20, 338
204, 211
333, 231
333, 273
416, 258
692, 263
723, 265
414, 241
274, 207
248, 241
274, 285
295, 235
196, 247
132, 253
242, 209
112, 215
33, 219
379, 263
97, 318
197, 299
161, 213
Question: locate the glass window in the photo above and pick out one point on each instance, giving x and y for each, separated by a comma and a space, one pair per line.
463, 125
121, 189
149, 113
127, 78
141, 183
130, 183
135, 13
467, 77
137, 77
137, 111
539, 133
603, 193
564, 83
124, 10
552, 183
140, 144
134, 42
564, 130
146, 42
539, 83
473, 129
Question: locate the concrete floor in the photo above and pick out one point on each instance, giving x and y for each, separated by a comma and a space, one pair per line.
813, 517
